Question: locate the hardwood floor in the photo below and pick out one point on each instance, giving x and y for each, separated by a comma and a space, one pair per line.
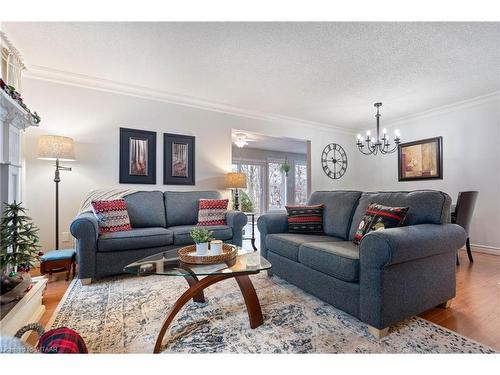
475, 311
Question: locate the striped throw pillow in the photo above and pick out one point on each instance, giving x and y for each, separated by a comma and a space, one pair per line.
212, 212
305, 219
379, 217
112, 216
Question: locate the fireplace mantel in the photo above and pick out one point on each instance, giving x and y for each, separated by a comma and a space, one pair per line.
13, 120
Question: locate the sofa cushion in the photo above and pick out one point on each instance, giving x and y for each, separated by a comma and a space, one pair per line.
425, 206
337, 259
305, 219
287, 244
146, 209
379, 217
182, 233
137, 238
212, 212
111, 215
182, 206
339, 208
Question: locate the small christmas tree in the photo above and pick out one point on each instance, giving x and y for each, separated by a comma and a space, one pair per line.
19, 247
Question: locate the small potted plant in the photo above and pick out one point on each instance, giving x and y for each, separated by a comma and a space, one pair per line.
201, 238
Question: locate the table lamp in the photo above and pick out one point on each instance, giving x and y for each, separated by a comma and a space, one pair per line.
235, 180
54, 147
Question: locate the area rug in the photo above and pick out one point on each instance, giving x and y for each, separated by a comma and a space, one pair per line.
124, 315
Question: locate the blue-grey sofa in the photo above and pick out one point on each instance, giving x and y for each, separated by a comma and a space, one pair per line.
161, 221
392, 275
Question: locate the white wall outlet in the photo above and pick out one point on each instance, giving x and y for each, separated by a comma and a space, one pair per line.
65, 237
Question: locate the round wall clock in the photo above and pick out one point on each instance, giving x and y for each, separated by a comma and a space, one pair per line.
334, 161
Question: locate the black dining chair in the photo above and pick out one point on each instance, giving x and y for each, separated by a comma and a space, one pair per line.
463, 215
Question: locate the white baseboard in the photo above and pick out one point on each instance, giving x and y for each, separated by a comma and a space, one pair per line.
484, 249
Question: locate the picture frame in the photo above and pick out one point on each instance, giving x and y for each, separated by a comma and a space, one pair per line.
421, 160
178, 159
137, 156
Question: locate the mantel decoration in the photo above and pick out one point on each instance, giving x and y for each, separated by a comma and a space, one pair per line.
19, 248
421, 160
376, 145
33, 118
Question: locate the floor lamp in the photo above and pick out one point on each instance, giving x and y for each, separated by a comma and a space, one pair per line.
235, 180
53, 147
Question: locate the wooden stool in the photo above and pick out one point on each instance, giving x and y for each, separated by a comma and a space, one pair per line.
58, 261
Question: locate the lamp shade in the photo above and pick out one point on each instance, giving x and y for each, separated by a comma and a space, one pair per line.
236, 180
51, 147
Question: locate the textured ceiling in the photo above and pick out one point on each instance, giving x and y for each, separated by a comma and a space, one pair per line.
329, 73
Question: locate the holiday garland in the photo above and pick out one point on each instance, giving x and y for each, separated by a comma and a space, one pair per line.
11, 91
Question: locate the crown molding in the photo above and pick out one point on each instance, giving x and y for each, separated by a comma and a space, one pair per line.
100, 84
481, 99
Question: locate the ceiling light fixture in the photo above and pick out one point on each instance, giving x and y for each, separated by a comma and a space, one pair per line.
374, 145
240, 140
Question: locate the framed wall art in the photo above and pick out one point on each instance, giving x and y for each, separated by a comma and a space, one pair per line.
137, 156
421, 160
178, 159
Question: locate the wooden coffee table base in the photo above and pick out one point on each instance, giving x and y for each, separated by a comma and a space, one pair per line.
195, 292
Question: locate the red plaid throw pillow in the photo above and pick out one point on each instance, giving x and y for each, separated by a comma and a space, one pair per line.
61, 340
112, 216
212, 212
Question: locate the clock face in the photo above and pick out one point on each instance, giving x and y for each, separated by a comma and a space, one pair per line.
334, 161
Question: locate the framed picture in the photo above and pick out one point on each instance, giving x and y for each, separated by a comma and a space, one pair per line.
421, 160
137, 156
178, 159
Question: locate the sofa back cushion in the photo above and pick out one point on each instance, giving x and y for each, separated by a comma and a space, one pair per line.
182, 206
339, 207
146, 209
425, 206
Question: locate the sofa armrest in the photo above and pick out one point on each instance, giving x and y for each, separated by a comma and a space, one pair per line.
403, 244
405, 271
86, 231
237, 221
268, 224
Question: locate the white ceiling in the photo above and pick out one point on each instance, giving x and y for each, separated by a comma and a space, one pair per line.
330, 73
265, 142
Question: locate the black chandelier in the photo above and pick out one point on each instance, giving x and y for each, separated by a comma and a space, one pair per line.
376, 145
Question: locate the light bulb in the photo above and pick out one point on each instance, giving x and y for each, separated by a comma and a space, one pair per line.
384, 131
396, 133
368, 133
359, 137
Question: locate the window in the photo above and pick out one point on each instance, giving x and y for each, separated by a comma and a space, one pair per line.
254, 185
277, 187
300, 182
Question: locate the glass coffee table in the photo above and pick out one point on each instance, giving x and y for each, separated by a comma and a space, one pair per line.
243, 265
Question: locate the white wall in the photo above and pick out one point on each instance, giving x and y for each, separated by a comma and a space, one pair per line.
93, 119
471, 135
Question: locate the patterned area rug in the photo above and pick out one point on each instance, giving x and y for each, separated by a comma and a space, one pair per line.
124, 315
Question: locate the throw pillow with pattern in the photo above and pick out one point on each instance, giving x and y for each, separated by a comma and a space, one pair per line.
305, 219
112, 215
379, 217
212, 212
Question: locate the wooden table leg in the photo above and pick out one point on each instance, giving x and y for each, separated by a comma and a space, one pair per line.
251, 300
197, 287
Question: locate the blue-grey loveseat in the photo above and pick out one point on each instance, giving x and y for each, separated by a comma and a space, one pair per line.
161, 221
392, 275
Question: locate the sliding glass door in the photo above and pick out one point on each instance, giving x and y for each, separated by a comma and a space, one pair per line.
255, 183
277, 186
